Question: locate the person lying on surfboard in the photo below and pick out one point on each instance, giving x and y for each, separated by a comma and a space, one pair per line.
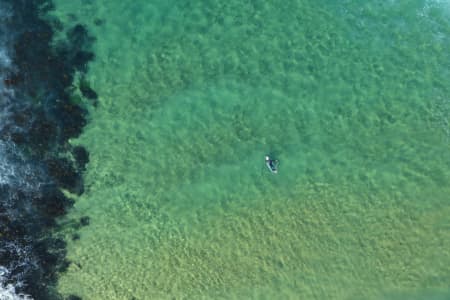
272, 164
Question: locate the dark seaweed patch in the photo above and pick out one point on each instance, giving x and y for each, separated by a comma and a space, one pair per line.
84, 221
98, 22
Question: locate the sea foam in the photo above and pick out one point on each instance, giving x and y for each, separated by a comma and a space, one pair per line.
10, 173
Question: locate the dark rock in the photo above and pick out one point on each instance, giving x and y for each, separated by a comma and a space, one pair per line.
72, 17
63, 266
53, 203
72, 120
81, 58
18, 138
56, 24
86, 90
65, 175
81, 156
23, 117
78, 36
58, 243
42, 133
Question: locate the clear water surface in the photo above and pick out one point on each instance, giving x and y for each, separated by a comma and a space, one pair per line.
353, 98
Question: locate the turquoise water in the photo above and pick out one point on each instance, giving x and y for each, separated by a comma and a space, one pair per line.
352, 98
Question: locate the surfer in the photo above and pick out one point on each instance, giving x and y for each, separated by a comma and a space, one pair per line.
272, 164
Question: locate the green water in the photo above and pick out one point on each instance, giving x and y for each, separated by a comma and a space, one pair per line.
352, 98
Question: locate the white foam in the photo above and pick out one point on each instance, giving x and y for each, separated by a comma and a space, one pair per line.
8, 291
5, 60
8, 171
14, 170
6, 50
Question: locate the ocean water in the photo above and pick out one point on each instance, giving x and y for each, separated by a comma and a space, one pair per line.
352, 97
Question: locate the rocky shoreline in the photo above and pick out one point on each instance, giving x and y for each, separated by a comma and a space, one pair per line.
38, 118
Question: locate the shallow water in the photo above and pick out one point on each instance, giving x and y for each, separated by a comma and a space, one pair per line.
352, 98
